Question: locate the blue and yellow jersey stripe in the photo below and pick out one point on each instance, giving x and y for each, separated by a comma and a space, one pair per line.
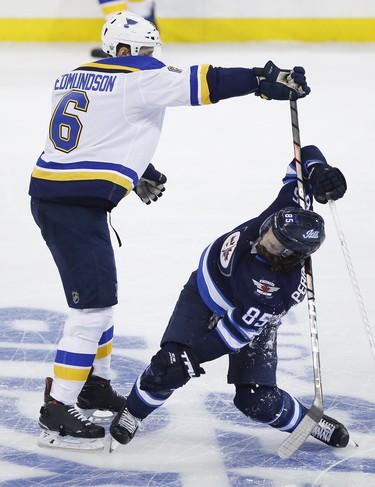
110, 7
123, 64
107, 68
199, 89
76, 366
86, 171
72, 366
105, 344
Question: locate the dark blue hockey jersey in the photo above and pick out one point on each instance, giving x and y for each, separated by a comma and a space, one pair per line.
239, 286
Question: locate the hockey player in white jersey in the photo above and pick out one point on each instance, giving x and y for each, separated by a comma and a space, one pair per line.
106, 121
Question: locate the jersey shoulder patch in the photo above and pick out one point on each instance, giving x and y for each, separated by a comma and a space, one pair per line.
174, 70
227, 252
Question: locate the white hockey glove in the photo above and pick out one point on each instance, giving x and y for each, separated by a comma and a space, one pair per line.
150, 187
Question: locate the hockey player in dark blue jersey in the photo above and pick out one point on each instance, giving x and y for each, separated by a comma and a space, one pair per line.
232, 304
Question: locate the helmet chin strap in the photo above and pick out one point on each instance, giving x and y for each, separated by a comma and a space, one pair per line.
278, 263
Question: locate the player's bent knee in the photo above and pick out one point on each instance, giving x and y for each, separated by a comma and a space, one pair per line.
172, 367
260, 403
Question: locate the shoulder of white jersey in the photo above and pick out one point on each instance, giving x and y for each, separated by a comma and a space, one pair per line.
126, 64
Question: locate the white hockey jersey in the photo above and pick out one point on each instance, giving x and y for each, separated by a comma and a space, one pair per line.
106, 122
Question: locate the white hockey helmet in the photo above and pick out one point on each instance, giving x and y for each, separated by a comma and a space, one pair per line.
130, 29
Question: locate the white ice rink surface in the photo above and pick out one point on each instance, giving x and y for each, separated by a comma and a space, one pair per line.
224, 164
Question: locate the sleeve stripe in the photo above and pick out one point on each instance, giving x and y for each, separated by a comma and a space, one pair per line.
246, 334
230, 341
205, 90
194, 86
210, 293
199, 89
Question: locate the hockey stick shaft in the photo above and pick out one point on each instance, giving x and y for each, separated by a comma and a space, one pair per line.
352, 275
315, 413
318, 396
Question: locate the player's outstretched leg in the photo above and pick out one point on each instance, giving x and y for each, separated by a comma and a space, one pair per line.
98, 393
65, 427
278, 409
331, 432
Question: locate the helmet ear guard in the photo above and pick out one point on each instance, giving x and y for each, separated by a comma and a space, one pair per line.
131, 30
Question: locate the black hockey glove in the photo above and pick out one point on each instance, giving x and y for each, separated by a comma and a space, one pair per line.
150, 187
327, 183
172, 367
281, 84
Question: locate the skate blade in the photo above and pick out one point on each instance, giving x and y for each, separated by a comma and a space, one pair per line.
97, 416
352, 443
114, 444
52, 439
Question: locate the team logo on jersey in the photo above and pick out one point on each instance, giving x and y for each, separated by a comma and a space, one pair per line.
228, 248
265, 288
174, 70
75, 297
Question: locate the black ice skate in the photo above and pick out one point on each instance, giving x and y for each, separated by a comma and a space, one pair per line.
123, 428
65, 427
331, 432
98, 395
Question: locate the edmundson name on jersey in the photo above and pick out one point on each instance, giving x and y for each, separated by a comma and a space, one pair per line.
86, 81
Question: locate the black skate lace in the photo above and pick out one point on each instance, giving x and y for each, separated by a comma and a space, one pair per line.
74, 412
323, 430
128, 421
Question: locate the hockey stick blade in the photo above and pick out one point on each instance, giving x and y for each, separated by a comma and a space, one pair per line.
300, 434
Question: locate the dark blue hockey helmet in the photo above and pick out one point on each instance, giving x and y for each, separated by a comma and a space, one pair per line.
299, 231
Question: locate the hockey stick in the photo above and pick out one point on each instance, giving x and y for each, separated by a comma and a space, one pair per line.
300, 434
353, 278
